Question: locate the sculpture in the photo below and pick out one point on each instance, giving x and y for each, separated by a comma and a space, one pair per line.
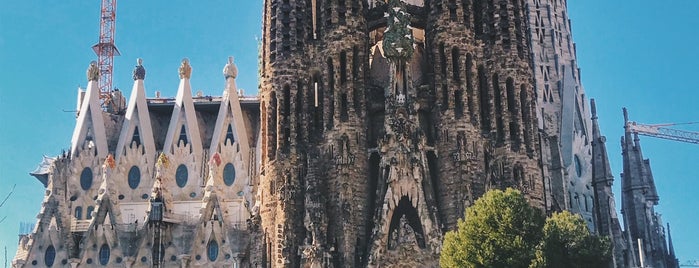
185, 69
230, 70
139, 73
93, 72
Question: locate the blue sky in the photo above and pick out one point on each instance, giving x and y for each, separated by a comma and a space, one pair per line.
642, 56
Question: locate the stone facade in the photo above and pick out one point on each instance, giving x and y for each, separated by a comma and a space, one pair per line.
385, 120
377, 123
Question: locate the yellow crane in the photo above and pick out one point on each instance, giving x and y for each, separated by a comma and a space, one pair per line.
662, 131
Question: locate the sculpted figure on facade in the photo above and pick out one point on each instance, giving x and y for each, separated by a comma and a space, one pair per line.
185, 69
93, 72
230, 70
139, 73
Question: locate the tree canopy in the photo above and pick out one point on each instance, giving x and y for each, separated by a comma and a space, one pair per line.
501, 229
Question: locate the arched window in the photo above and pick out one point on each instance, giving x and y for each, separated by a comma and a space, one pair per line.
229, 174
78, 213
484, 96
136, 137
88, 213
86, 178
104, 254
343, 67
181, 175
229, 135
212, 250
183, 136
578, 166
49, 256
134, 178
331, 95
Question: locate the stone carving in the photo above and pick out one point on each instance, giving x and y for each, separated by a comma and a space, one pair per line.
185, 69
93, 72
398, 39
139, 73
230, 70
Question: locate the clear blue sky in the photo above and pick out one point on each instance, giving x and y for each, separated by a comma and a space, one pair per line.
642, 56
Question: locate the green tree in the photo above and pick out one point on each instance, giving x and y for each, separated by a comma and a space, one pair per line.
500, 230
567, 242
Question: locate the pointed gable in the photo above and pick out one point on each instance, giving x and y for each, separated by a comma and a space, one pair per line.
137, 128
89, 129
183, 123
230, 126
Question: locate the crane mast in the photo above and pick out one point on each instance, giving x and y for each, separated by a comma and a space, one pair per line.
662, 131
106, 49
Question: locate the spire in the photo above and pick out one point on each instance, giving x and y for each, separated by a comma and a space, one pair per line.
137, 126
671, 251
184, 117
230, 116
89, 130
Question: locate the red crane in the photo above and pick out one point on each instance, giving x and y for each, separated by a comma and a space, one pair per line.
105, 49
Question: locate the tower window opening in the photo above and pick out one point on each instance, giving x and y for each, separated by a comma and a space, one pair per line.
466, 5
78, 213
272, 125
342, 8
455, 68
299, 112
344, 114
458, 104
452, 10
497, 97
331, 95
343, 67
355, 61
469, 88
514, 114
484, 97
443, 60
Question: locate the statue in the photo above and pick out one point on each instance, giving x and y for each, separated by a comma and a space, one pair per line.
230, 70
93, 72
139, 73
185, 69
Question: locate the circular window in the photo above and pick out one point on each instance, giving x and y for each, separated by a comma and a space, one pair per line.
578, 166
50, 256
104, 254
212, 250
229, 174
86, 178
134, 177
181, 176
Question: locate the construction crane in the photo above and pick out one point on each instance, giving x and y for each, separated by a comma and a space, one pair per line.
692, 263
662, 131
106, 49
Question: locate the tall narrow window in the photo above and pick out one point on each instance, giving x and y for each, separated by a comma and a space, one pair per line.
230, 139
455, 64
497, 97
443, 60
341, 11
343, 67
78, 213
183, 136
484, 96
331, 93
299, 112
478, 9
344, 114
286, 121
470, 94
524, 104
136, 138
355, 60
88, 213
272, 125
458, 104
514, 114
466, 4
